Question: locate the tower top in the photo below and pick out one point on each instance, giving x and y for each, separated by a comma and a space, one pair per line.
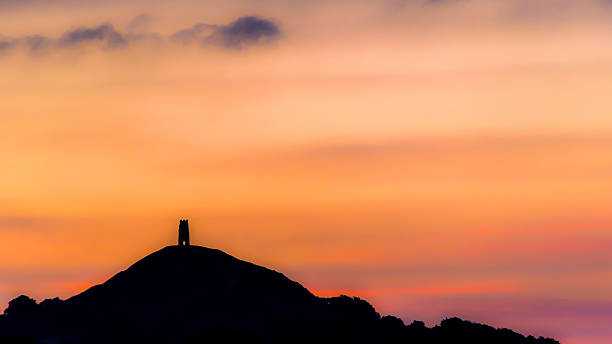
183, 237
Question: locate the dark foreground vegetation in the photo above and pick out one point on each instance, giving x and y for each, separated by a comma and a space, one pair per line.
192, 294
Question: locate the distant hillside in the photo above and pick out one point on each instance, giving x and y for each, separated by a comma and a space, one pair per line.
192, 294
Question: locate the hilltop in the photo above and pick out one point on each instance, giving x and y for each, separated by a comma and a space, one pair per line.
193, 294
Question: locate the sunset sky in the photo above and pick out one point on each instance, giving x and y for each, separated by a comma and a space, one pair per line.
437, 158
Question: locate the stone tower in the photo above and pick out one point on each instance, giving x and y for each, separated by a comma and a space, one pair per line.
183, 239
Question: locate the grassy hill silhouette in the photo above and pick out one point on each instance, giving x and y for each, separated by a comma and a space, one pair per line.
193, 294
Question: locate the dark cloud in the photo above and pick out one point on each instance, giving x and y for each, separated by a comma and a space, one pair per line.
104, 33
7, 44
244, 31
35, 44
237, 35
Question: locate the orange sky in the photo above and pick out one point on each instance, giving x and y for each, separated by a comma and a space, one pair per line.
437, 158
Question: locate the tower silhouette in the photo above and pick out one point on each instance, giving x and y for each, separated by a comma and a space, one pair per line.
183, 239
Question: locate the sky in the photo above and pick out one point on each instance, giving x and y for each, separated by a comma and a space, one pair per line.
437, 158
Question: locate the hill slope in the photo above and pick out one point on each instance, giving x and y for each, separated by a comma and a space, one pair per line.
195, 294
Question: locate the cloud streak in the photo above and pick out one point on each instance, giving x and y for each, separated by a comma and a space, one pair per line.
140, 23
191, 34
237, 35
23, 222
244, 31
104, 33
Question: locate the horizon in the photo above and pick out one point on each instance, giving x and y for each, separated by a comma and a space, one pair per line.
436, 158
315, 293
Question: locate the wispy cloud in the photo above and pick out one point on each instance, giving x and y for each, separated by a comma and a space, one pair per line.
140, 23
23, 222
243, 32
237, 35
191, 34
105, 33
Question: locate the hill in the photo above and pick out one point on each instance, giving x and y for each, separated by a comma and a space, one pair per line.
193, 294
